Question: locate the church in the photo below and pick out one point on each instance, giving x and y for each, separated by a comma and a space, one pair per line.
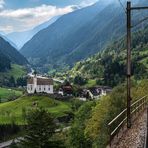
39, 84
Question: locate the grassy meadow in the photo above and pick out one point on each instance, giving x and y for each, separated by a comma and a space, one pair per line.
7, 94
15, 111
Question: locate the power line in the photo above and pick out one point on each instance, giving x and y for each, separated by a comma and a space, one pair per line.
122, 6
146, 18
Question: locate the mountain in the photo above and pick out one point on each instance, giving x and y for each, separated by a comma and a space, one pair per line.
5, 63
54, 38
6, 39
10, 54
20, 38
12, 64
3, 35
108, 67
76, 36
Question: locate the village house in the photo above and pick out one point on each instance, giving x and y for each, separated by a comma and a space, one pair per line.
66, 90
39, 84
95, 92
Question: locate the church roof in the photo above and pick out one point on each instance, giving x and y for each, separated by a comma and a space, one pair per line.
40, 81
44, 81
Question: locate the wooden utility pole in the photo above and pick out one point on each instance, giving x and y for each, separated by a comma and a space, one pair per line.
128, 64
129, 27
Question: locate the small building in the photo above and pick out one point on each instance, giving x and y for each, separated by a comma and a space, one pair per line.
61, 92
38, 84
99, 91
95, 92
66, 90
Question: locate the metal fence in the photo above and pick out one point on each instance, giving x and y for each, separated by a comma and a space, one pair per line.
117, 123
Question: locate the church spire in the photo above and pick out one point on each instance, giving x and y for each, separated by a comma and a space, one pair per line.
35, 72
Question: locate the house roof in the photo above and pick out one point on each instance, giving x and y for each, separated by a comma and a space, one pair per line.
44, 81
40, 81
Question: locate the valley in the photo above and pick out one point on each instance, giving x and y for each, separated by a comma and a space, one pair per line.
63, 81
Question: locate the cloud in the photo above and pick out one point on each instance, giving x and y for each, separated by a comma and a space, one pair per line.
6, 28
86, 3
41, 11
29, 17
26, 18
2, 3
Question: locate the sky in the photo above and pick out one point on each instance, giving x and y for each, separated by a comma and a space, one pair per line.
22, 15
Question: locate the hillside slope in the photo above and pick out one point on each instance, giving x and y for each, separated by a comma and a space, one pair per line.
15, 71
12, 64
108, 67
5, 63
11, 53
3, 35
17, 109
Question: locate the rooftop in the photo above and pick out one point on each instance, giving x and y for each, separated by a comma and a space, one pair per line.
40, 80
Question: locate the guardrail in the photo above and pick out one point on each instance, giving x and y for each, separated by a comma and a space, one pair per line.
117, 123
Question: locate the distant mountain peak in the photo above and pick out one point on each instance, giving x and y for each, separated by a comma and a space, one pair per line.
20, 38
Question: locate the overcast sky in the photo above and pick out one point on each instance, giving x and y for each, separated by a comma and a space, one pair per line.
20, 15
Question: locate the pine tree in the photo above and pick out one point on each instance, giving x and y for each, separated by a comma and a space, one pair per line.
39, 131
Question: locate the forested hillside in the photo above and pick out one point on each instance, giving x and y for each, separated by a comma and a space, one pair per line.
12, 64
11, 53
5, 63
108, 67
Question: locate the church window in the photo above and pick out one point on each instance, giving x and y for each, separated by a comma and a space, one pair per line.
30, 87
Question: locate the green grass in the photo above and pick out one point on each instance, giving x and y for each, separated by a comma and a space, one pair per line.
12, 111
6, 94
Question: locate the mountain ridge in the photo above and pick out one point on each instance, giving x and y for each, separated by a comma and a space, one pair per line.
20, 38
